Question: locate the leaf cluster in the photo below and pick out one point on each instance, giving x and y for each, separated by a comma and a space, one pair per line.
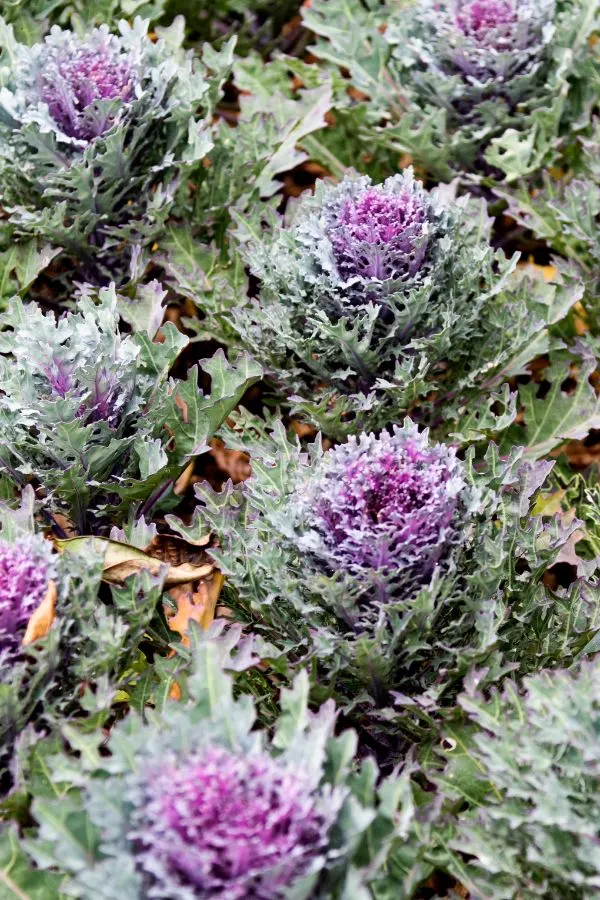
120, 186
92, 639
531, 756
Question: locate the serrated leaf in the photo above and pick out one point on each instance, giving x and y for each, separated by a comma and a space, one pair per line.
559, 415
316, 104
200, 142
158, 356
152, 457
187, 261
193, 417
195, 532
22, 263
77, 841
294, 712
463, 774
145, 311
352, 40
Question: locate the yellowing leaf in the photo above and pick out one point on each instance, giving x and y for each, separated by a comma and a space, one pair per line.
548, 504
547, 272
183, 482
42, 618
121, 697
198, 607
581, 319
556, 172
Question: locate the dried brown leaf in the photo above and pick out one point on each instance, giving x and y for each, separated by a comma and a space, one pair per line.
122, 560
198, 606
42, 618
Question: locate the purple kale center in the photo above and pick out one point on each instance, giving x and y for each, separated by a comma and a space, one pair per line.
24, 574
102, 403
105, 400
77, 75
487, 20
387, 504
491, 42
60, 378
380, 235
228, 826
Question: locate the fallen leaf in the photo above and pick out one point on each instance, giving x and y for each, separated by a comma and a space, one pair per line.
65, 525
175, 551
556, 172
122, 560
195, 607
234, 463
42, 618
581, 319
183, 482
175, 692
581, 454
303, 429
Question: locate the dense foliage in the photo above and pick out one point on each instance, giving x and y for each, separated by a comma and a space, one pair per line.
536, 757
58, 631
299, 441
96, 133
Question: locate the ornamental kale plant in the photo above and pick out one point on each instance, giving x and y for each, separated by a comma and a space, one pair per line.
189, 818
96, 133
490, 87
90, 415
533, 757
57, 633
389, 561
201, 803
375, 296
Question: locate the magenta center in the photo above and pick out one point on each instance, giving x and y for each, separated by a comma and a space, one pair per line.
378, 218
73, 82
483, 17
